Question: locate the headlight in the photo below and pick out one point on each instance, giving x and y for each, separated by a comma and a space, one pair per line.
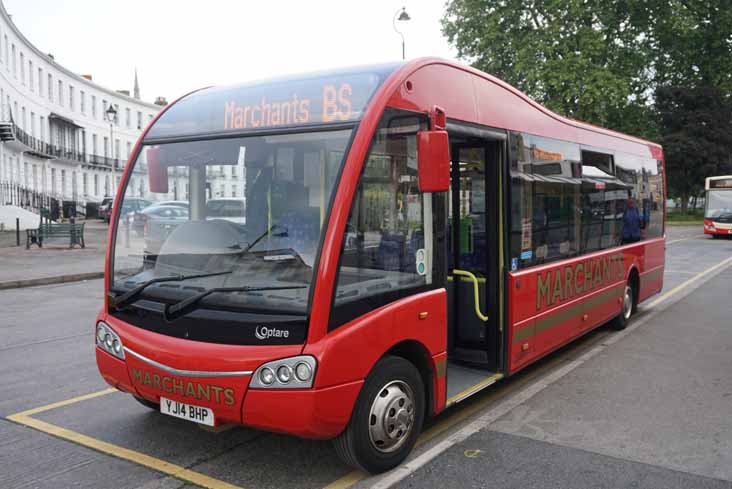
289, 373
303, 372
109, 341
266, 376
284, 374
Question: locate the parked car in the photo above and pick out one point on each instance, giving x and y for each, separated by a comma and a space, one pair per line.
173, 203
105, 208
231, 209
154, 212
131, 205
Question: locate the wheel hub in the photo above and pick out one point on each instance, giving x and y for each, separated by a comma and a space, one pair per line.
391, 417
627, 302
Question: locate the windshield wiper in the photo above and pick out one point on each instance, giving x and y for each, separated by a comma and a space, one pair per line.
132, 294
281, 234
181, 308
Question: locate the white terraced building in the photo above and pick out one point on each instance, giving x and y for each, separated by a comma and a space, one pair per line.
54, 127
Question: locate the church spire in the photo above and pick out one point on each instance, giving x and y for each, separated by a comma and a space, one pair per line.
136, 91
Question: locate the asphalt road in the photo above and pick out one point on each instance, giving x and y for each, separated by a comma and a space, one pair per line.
648, 408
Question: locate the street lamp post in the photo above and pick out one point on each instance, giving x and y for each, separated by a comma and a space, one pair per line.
111, 116
402, 16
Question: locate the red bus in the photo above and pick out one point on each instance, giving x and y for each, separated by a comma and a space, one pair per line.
409, 235
718, 206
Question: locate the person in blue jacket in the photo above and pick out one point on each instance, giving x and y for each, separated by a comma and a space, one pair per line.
631, 222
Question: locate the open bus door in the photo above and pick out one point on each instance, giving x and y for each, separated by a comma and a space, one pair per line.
475, 274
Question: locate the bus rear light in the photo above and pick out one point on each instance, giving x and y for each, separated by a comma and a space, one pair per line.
108, 341
287, 373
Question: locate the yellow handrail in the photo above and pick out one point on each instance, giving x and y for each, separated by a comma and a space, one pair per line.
473, 279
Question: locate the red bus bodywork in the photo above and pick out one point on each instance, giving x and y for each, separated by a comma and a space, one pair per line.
346, 355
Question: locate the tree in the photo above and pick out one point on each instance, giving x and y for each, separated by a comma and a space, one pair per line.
584, 59
691, 43
697, 138
659, 69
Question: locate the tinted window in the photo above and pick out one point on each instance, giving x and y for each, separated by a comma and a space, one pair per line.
643, 178
566, 202
545, 197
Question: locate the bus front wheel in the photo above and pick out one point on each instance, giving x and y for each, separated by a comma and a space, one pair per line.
387, 417
626, 311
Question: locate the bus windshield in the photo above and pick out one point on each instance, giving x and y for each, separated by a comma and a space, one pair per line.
719, 204
242, 213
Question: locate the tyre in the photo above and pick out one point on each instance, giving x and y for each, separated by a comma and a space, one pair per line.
149, 404
386, 419
620, 322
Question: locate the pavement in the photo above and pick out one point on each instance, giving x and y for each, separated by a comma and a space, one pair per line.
55, 262
652, 410
648, 407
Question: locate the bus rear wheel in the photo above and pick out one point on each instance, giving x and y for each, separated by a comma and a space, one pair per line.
626, 311
387, 418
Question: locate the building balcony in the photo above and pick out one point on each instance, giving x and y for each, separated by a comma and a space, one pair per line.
20, 140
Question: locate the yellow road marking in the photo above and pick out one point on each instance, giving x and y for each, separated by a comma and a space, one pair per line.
173, 470
347, 480
124, 453
59, 404
688, 282
684, 239
464, 413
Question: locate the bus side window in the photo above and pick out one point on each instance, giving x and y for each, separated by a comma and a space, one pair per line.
385, 232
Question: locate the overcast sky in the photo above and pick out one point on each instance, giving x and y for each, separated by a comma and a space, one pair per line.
181, 45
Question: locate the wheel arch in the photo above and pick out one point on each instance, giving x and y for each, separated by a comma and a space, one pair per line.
634, 280
417, 354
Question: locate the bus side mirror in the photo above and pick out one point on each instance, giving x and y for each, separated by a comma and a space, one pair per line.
433, 161
157, 173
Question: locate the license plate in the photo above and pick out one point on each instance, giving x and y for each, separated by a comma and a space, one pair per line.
197, 414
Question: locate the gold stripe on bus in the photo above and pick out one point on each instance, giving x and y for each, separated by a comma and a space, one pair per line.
441, 367
547, 322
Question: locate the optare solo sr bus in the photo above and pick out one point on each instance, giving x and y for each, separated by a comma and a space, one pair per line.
387, 241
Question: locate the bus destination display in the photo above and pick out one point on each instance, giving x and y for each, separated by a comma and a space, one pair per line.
319, 100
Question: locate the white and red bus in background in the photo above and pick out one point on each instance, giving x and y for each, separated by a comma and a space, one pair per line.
718, 206
413, 233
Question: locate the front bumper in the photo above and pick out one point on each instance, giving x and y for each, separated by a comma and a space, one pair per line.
156, 365
717, 229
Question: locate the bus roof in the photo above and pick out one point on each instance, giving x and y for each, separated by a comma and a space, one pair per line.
300, 100
343, 95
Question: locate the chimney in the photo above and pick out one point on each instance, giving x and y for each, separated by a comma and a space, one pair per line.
51, 56
161, 101
88, 77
